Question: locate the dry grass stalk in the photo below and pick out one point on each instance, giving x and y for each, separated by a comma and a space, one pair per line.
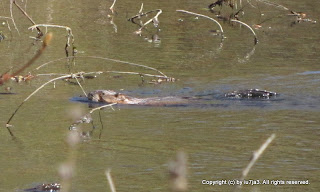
200, 15
110, 181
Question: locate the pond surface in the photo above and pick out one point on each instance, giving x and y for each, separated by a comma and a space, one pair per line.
137, 143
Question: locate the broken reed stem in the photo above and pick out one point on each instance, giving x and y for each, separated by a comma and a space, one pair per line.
11, 14
255, 36
30, 19
34, 92
200, 15
110, 181
256, 156
108, 59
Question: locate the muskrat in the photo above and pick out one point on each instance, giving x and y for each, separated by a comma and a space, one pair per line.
109, 96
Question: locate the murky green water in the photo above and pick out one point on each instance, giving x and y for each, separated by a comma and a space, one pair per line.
138, 142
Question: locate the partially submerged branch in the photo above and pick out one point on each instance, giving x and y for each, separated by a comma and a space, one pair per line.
76, 75
155, 20
70, 37
140, 14
87, 117
200, 15
255, 36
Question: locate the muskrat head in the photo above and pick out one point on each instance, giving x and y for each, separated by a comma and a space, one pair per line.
107, 96
94, 96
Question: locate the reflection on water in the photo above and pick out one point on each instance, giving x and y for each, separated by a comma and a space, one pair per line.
216, 133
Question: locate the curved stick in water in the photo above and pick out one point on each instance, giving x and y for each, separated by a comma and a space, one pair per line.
200, 15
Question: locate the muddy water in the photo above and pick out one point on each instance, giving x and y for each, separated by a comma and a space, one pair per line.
138, 142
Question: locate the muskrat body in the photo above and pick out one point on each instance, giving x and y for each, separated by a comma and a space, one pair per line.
109, 96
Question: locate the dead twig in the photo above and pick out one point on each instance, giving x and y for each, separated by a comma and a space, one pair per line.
30, 19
